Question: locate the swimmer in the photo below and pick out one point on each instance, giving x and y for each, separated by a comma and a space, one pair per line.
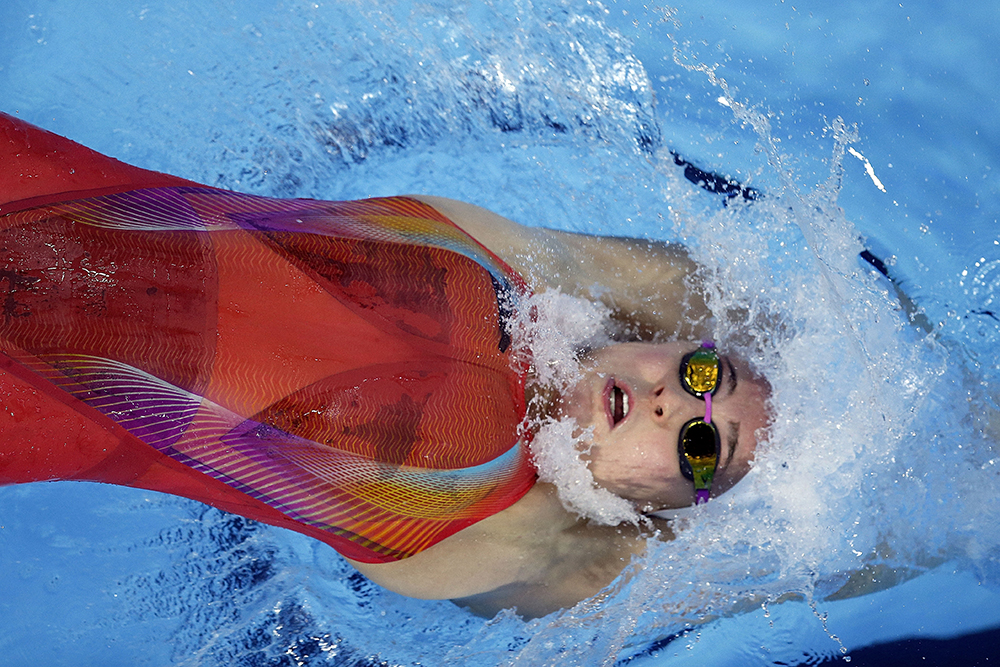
345, 370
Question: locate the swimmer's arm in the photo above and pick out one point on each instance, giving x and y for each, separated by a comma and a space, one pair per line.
532, 556
645, 283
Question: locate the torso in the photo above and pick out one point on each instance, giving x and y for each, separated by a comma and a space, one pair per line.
354, 375
533, 554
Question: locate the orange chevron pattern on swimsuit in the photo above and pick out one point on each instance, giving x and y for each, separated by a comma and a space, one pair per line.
346, 363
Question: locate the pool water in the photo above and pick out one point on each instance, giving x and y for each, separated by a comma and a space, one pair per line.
566, 114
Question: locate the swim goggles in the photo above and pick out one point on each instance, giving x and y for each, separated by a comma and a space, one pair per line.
699, 442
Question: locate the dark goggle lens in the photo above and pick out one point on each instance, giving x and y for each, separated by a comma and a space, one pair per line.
700, 372
699, 452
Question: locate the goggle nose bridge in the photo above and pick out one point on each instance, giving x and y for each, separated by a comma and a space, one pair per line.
699, 442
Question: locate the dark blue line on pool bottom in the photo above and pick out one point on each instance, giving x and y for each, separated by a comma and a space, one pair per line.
981, 649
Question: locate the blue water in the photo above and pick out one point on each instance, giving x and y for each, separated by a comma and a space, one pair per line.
563, 115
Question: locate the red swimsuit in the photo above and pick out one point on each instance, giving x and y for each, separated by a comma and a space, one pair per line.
343, 369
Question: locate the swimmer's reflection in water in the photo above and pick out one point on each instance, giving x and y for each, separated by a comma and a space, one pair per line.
344, 369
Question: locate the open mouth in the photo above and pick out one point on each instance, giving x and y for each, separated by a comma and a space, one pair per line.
618, 404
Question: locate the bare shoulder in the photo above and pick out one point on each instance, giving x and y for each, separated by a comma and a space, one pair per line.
649, 284
534, 252
534, 556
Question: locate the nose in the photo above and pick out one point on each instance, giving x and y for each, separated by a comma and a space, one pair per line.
668, 406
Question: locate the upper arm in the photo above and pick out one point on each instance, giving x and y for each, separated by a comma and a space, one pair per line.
648, 284
474, 561
486, 570
533, 555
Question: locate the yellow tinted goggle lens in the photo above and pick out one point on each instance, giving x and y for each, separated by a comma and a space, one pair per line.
700, 372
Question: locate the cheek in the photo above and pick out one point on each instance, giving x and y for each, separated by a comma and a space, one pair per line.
635, 457
649, 477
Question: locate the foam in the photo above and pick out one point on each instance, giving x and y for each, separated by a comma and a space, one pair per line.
557, 449
556, 328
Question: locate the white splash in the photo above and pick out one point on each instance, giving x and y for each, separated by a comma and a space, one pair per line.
556, 327
557, 449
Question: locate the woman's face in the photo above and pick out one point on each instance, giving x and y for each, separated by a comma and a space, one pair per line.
632, 397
